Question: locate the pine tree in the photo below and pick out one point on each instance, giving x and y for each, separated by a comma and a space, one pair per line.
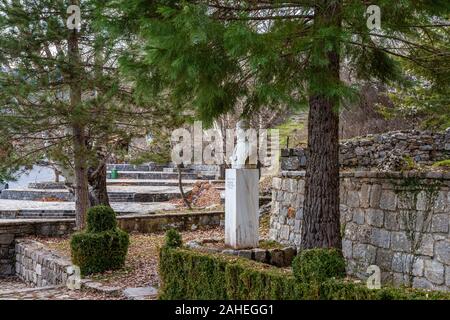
212, 55
62, 97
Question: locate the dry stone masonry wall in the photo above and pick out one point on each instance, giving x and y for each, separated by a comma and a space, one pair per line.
371, 151
397, 221
10, 230
39, 266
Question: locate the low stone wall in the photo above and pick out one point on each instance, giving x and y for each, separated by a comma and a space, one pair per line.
14, 229
38, 266
280, 257
10, 230
165, 221
399, 222
370, 151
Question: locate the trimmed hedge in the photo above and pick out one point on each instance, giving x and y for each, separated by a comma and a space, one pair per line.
102, 246
101, 218
189, 274
318, 265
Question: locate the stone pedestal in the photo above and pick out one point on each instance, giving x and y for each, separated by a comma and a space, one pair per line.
241, 208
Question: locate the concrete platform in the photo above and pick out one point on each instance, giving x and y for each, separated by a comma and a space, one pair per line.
152, 175
13, 209
126, 182
116, 193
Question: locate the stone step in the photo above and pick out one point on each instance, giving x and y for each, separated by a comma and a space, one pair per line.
155, 175
20, 209
141, 293
115, 193
131, 167
124, 182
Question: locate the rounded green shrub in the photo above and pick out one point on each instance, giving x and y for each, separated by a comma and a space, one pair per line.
102, 246
101, 218
318, 265
173, 239
97, 252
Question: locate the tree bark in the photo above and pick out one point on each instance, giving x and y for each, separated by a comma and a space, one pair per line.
98, 194
78, 131
81, 181
180, 185
321, 225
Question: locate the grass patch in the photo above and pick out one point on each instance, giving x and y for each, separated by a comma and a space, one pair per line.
270, 244
443, 163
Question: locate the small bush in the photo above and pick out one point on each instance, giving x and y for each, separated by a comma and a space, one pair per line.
173, 239
97, 252
318, 265
101, 218
102, 246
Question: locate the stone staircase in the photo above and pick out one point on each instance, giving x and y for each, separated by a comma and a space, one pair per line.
141, 188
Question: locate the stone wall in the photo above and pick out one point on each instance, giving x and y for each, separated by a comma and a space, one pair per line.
10, 230
372, 150
398, 221
14, 229
38, 266
165, 221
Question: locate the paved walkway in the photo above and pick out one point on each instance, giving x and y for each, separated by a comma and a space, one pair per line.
12, 288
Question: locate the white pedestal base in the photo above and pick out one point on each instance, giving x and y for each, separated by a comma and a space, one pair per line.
242, 208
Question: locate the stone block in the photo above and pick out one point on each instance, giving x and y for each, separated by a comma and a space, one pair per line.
230, 252
364, 196
440, 205
388, 200
380, 238
276, 257
434, 271
384, 259
260, 255
401, 262
276, 183
353, 199
358, 216
375, 217
400, 242
426, 244
375, 196
289, 255
364, 234
440, 223
245, 254
442, 251
347, 248
364, 253
422, 283
391, 221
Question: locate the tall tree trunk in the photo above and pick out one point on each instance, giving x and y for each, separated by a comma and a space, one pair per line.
78, 131
98, 194
180, 186
321, 225
81, 181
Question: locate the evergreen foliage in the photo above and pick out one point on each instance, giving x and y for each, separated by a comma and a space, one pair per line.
102, 246
318, 265
189, 274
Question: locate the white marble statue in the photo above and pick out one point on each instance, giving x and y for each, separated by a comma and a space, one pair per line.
242, 150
